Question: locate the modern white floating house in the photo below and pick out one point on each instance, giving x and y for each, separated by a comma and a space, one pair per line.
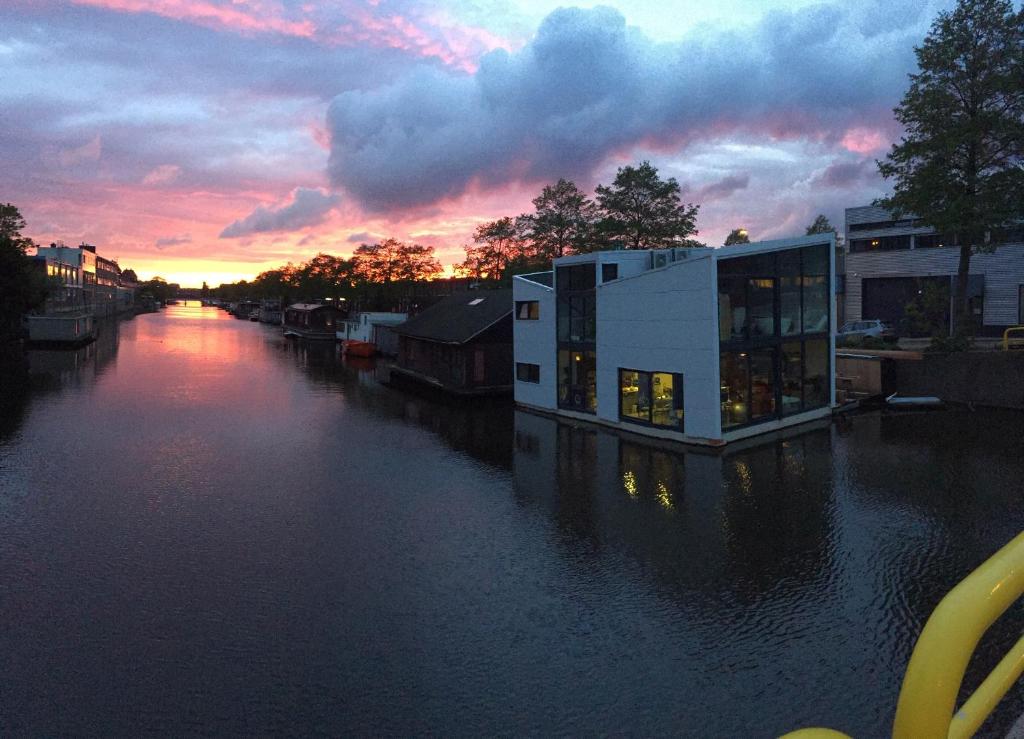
699, 345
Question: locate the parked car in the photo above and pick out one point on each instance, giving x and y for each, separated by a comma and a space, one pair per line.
863, 329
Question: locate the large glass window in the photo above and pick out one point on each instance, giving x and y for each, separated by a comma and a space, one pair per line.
635, 395
732, 308
654, 398
792, 378
762, 384
774, 320
735, 390
577, 380
667, 399
816, 372
761, 296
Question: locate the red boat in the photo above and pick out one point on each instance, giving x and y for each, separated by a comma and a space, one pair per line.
353, 348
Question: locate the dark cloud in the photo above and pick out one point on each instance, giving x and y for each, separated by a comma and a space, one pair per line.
173, 241
845, 174
587, 86
361, 238
719, 190
308, 207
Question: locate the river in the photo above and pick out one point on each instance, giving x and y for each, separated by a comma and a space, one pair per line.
206, 528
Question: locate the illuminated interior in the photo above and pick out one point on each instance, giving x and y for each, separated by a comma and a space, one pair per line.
774, 320
654, 398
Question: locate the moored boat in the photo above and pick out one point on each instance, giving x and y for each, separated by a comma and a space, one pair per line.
354, 348
311, 321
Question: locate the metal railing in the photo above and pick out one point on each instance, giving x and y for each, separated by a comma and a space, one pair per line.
927, 702
1007, 339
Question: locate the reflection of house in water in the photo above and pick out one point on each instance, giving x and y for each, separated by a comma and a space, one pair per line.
480, 427
736, 522
55, 368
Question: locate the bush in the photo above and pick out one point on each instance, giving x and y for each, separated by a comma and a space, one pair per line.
958, 342
864, 342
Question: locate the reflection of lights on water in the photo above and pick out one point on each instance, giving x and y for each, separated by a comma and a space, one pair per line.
746, 479
664, 496
629, 483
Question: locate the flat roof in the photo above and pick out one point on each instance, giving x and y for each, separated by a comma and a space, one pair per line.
761, 247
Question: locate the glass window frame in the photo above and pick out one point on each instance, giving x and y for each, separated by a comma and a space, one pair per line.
532, 372
678, 397
530, 307
810, 266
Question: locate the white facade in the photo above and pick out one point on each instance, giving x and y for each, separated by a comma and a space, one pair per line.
658, 320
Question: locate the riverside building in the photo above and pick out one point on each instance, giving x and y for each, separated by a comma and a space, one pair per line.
890, 262
698, 345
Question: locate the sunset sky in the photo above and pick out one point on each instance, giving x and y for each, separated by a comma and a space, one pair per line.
213, 139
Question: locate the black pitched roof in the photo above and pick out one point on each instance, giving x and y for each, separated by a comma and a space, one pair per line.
458, 318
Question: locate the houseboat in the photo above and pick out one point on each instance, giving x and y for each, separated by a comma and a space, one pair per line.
365, 334
65, 320
311, 321
462, 344
70, 328
270, 312
705, 346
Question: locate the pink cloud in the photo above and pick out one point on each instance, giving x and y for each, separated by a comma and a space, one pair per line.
860, 140
436, 36
161, 175
209, 14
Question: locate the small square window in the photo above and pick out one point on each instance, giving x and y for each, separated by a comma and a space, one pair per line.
527, 372
527, 310
609, 272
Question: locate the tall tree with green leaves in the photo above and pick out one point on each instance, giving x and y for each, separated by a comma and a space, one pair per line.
737, 236
959, 165
562, 222
645, 211
22, 288
497, 245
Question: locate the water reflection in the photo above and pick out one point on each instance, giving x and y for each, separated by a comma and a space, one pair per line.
248, 534
481, 427
737, 522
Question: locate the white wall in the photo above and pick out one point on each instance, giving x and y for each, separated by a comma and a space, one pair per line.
664, 320
534, 343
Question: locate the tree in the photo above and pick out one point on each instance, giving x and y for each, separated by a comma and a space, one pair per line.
129, 276
22, 287
821, 225
324, 276
156, 288
645, 210
737, 236
498, 245
562, 222
959, 165
395, 261
11, 224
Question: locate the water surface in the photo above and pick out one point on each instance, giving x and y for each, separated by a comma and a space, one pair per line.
207, 528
